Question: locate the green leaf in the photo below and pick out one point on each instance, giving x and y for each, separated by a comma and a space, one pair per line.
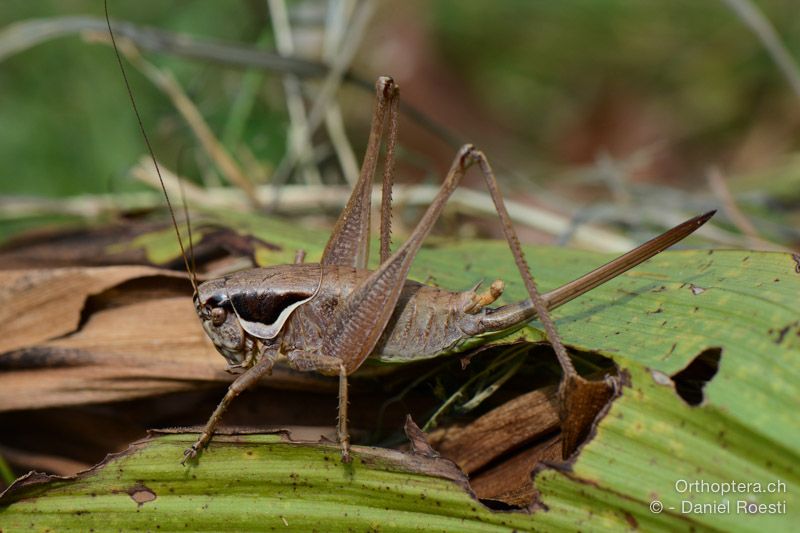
256, 482
652, 321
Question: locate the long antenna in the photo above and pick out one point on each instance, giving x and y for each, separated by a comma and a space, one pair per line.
192, 274
188, 220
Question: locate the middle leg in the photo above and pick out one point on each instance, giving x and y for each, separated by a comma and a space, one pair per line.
329, 366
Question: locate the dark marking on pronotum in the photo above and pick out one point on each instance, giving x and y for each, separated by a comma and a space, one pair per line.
264, 306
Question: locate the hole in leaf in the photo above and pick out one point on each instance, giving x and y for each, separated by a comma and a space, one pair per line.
499, 442
141, 494
498, 505
690, 381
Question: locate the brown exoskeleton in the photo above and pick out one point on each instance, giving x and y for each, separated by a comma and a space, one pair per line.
329, 317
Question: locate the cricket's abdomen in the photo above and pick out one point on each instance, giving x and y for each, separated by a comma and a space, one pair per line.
427, 322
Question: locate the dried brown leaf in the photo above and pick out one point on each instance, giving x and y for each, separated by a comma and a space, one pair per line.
419, 442
42, 462
91, 335
117, 244
515, 423
510, 481
38, 305
583, 400
58, 247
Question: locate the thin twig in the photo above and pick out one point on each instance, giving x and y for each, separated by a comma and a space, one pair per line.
497, 362
334, 78
216, 151
300, 146
754, 240
718, 185
304, 198
341, 65
175, 185
20, 36
298, 198
754, 18
245, 98
336, 31
84, 206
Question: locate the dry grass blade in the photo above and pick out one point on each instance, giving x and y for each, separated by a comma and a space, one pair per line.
299, 138
325, 98
23, 35
26, 298
510, 481
749, 13
719, 187
336, 33
20, 36
145, 172
341, 64
294, 198
508, 427
213, 147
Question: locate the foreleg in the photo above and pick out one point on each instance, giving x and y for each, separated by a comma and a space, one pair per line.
242, 383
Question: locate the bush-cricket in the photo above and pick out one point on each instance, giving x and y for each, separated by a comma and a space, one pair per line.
329, 317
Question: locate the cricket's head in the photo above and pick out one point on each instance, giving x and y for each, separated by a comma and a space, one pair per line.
220, 322
253, 306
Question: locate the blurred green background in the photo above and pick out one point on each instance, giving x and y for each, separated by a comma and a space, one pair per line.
599, 103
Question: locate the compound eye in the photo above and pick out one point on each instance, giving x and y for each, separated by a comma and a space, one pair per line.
218, 316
